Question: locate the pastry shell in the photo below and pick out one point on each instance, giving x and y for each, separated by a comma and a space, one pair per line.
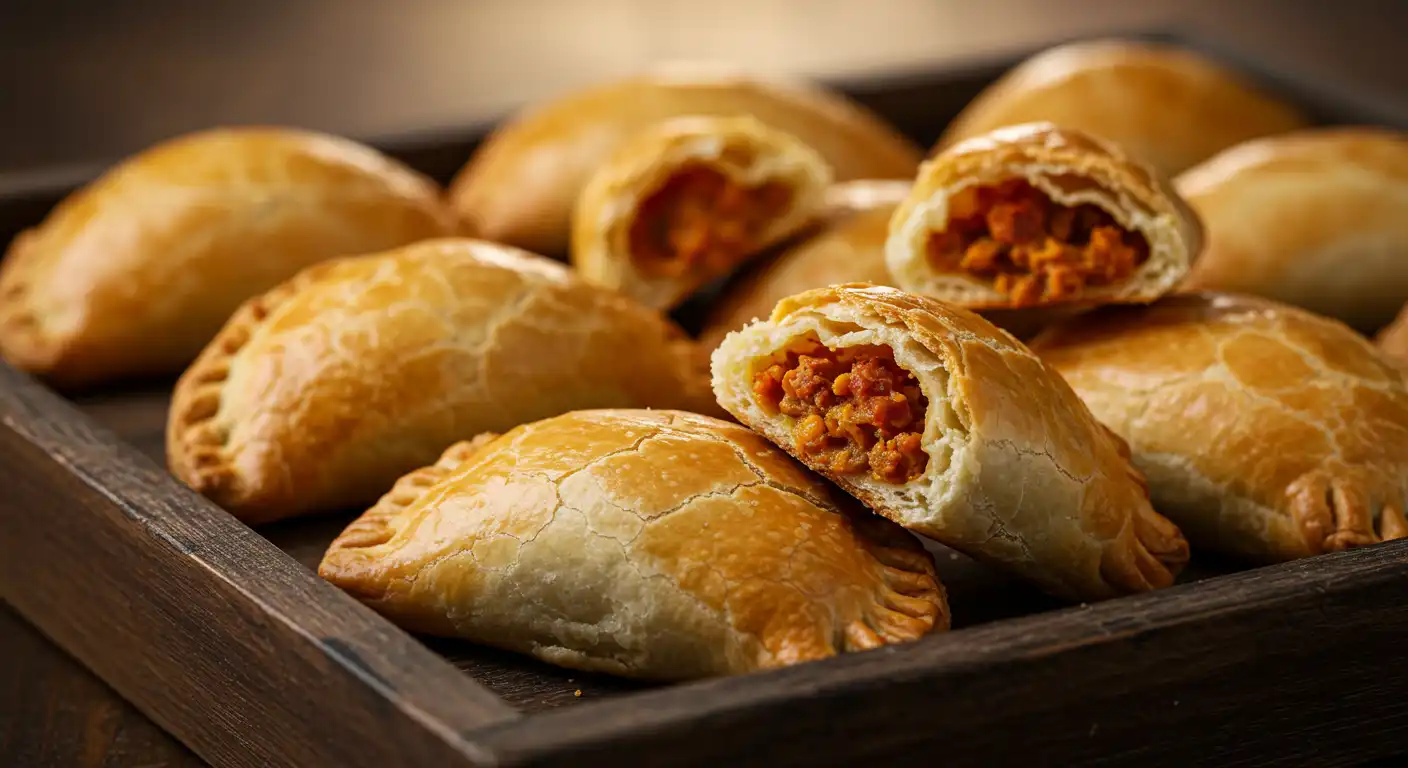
1265, 432
133, 274
320, 393
1168, 107
521, 185
742, 149
652, 544
1020, 474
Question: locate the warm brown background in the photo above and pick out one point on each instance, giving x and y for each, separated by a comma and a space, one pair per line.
82, 82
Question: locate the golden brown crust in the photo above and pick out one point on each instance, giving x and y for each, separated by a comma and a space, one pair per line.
520, 186
320, 393
133, 274
1393, 339
1265, 431
1168, 107
1070, 167
1314, 218
742, 149
1020, 474
654, 544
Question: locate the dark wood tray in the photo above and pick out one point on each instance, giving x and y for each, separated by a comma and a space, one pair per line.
225, 636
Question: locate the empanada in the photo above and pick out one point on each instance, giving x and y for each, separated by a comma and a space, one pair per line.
1168, 107
654, 544
521, 185
1393, 339
849, 249
320, 393
1318, 219
133, 274
686, 201
947, 425
1039, 216
1265, 431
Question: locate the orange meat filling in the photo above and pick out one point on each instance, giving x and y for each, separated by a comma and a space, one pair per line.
700, 220
1032, 249
856, 409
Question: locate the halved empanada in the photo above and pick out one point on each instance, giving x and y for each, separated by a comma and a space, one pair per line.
686, 201
1168, 107
322, 392
1264, 431
653, 544
1040, 216
520, 187
1318, 219
943, 423
133, 274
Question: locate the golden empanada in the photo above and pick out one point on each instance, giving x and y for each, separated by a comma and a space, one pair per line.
320, 393
1036, 216
1318, 219
686, 201
849, 249
1264, 431
654, 544
1168, 107
133, 274
947, 425
520, 187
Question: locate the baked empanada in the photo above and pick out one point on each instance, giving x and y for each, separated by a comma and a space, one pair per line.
1168, 107
320, 393
1393, 340
133, 274
1039, 216
686, 201
654, 544
947, 425
521, 185
1264, 431
1318, 219
849, 249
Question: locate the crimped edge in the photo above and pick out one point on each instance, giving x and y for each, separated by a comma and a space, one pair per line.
21, 341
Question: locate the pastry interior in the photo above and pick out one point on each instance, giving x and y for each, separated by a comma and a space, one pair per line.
1030, 248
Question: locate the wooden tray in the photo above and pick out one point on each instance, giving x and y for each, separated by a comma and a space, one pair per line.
225, 636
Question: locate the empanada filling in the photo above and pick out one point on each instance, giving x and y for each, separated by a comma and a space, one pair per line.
702, 221
1032, 249
855, 410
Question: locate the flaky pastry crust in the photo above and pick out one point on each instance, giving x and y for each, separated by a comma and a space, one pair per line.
1314, 218
133, 274
1168, 107
1070, 167
520, 187
654, 544
742, 149
1265, 431
320, 393
1019, 473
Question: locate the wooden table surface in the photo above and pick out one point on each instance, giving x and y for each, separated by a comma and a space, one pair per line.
84, 81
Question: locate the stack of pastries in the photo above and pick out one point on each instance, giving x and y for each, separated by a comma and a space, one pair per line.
1108, 319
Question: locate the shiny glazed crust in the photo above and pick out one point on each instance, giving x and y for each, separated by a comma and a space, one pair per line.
653, 544
1315, 219
320, 393
1019, 475
134, 273
1168, 107
520, 187
741, 148
1265, 431
1072, 168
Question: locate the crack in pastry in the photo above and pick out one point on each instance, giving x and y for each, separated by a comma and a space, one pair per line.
686, 201
653, 544
1010, 466
1038, 216
1265, 432
320, 393
134, 273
